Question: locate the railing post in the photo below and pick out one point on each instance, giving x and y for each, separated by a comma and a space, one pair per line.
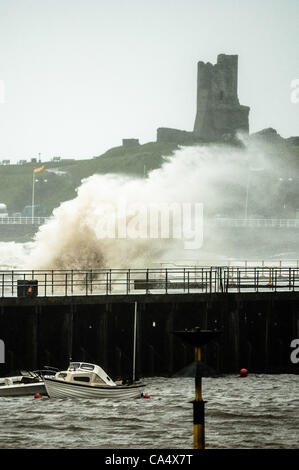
220, 279
270, 277
290, 277
146, 282
128, 281
166, 281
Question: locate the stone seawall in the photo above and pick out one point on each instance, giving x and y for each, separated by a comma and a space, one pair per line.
257, 330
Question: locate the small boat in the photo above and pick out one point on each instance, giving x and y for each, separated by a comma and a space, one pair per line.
27, 383
84, 380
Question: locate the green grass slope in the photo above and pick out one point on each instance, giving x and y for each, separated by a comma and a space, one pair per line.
16, 180
51, 189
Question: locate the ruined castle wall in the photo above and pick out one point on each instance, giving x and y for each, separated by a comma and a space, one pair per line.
219, 112
166, 134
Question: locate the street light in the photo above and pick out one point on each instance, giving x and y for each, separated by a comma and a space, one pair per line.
35, 170
198, 338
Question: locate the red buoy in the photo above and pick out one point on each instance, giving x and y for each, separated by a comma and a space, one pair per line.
146, 395
243, 372
37, 395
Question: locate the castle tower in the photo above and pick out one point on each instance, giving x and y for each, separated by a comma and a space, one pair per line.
219, 113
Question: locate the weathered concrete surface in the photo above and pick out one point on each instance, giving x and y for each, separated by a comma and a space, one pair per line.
219, 113
257, 331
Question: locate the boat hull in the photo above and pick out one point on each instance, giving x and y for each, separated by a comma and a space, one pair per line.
19, 390
60, 389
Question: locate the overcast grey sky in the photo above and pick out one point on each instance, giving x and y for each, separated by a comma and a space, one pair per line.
80, 75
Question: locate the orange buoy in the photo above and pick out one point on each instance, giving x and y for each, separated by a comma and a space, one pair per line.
37, 395
243, 372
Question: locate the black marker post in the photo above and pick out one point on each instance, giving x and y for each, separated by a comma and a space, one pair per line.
198, 338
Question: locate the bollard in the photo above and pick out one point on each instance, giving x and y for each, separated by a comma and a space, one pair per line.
197, 338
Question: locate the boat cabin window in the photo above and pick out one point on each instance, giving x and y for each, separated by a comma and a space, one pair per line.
74, 365
81, 378
87, 366
62, 375
80, 365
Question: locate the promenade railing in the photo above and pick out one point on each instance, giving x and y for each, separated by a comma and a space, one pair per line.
183, 280
23, 220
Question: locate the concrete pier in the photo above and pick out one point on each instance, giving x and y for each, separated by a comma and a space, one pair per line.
257, 331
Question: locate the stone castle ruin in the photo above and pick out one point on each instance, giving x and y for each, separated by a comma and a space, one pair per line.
219, 114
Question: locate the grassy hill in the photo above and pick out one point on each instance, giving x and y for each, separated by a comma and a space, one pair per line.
16, 180
52, 188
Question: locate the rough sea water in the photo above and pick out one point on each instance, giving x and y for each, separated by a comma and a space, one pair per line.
253, 412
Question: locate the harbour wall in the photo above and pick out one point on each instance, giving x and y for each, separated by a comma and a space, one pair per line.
257, 330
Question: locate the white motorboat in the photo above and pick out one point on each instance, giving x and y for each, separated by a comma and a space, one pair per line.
27, 383
84, 380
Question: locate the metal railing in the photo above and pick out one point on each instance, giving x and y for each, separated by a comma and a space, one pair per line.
214, 222
23, 220
185, 280
257, 223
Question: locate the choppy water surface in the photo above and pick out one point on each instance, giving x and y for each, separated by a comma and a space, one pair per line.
259, 411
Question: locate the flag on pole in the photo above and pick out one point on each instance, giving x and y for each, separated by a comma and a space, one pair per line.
38, 169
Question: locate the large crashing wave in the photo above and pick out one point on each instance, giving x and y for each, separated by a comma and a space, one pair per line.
211, 175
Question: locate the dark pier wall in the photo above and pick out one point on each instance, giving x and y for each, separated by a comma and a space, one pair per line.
257, 332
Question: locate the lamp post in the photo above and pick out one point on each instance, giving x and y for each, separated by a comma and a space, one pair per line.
32, 202
35, 170
198, 338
